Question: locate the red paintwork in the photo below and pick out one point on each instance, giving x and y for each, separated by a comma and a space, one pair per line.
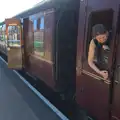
93, 96
41, 69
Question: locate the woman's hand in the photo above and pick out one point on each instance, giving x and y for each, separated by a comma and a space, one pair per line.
104, 74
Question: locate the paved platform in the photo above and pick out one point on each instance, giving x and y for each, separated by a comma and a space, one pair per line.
18, 101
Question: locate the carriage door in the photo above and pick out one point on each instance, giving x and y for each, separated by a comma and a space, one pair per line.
14, 43
92, 91
116, 98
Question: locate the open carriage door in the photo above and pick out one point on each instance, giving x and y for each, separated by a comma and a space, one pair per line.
14, 43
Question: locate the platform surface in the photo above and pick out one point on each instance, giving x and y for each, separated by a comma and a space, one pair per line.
18, 102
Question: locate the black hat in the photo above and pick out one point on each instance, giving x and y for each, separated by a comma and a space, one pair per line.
98, 29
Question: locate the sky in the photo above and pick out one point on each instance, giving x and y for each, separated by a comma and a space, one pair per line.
9, 8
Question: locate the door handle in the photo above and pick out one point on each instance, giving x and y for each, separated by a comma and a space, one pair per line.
117, 74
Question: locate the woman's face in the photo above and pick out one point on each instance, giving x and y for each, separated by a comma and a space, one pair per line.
102, 38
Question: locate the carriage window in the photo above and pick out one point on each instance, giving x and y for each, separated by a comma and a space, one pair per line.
39, 37
3, 34
43, 27
42, 23
102, 52
100, 17
35, 25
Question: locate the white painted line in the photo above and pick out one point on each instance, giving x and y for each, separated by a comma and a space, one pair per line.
3, 60
61, 115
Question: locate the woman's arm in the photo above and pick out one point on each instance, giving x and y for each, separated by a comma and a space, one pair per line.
91, 54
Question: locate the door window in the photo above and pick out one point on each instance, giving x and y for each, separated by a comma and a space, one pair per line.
14, 36
99, 17
38, 31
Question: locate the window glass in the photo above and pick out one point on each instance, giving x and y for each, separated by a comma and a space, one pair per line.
35, 24
42, 23
14, 36
39, 37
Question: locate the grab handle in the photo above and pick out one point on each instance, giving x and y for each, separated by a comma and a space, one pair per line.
117, 81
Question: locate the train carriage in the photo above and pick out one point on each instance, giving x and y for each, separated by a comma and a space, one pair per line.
51, 40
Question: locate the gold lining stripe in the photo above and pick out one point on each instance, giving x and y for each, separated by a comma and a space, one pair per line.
95, 76
79, 71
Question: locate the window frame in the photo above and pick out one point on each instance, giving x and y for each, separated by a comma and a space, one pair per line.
51, 12
89, 28
37, 17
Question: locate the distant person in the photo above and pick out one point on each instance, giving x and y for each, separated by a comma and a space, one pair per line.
100, 36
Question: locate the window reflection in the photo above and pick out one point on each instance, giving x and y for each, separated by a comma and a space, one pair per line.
14, 36
35, 24
42, 23
38, 26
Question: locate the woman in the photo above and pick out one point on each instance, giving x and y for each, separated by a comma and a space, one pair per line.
100, 36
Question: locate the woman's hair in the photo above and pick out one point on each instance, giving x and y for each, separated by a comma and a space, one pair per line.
98, 29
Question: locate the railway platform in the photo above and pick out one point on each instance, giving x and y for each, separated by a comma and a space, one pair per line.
20, 101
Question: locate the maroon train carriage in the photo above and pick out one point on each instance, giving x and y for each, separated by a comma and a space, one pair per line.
51, 41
